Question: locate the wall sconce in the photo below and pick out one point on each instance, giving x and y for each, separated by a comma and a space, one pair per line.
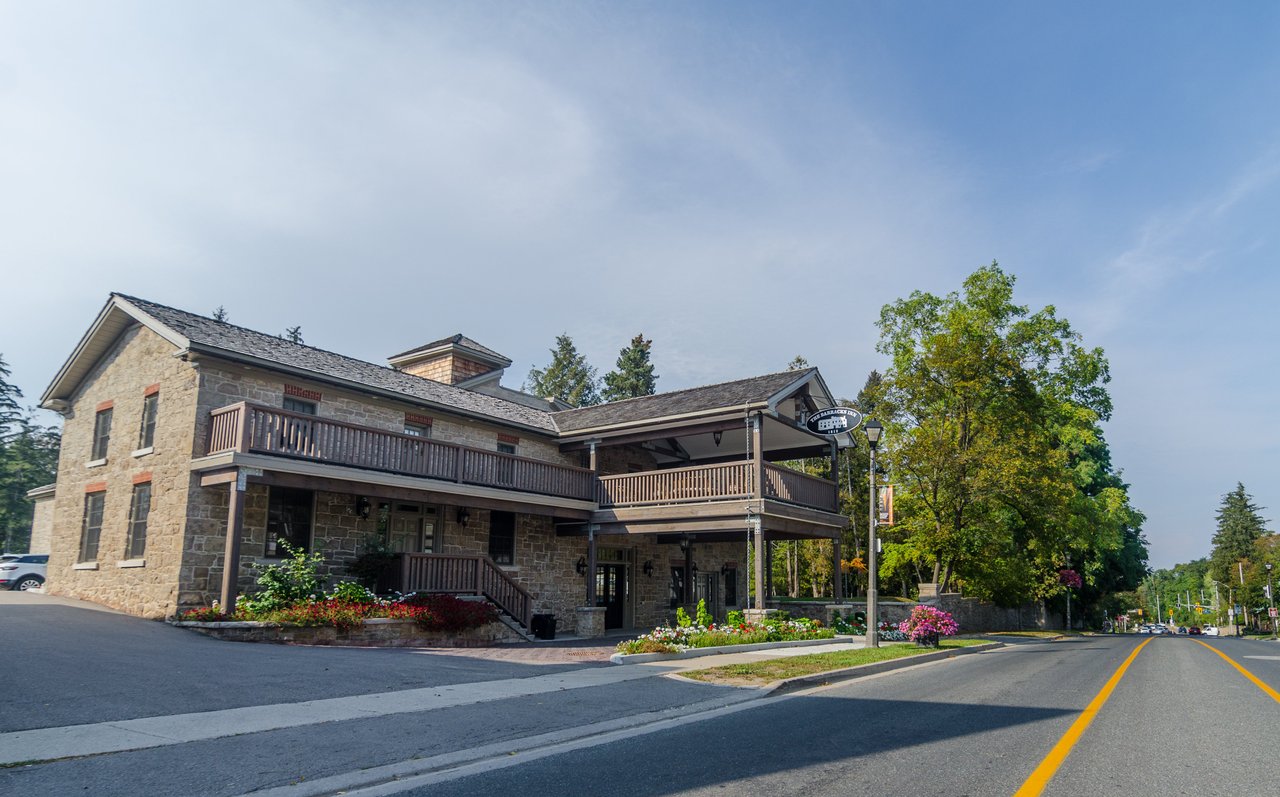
684, 542
648, 567
362, 507
463, 516
581, 566
717, 436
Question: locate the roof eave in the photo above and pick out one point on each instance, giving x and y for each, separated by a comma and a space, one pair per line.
680, 419
360, 387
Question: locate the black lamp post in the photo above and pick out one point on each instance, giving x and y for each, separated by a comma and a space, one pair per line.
873, 429
1271, 595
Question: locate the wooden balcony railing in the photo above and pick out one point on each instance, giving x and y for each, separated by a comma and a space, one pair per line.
466, 575
678, 485
252, 428
793, 487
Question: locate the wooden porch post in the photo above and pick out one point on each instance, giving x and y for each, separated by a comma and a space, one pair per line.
757, 463
235, 527
591, 565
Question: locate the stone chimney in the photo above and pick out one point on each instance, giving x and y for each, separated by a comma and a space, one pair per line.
451, 360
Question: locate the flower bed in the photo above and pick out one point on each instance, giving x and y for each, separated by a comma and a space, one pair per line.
667, 639
429, 612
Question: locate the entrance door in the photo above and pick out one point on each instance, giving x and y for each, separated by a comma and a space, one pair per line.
611, 593
412, 528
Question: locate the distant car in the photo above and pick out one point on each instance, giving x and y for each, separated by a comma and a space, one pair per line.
1182, 629
1144, 629
1210, 630
1159, 629
23, 571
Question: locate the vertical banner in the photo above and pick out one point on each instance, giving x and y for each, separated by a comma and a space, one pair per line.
885, 500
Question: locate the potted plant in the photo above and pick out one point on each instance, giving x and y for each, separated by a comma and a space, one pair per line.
926, 624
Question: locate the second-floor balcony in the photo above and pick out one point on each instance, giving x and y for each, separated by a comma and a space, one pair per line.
255, 429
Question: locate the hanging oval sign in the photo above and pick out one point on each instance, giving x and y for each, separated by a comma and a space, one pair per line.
833, 421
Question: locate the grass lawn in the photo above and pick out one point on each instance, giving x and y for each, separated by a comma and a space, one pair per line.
758, 673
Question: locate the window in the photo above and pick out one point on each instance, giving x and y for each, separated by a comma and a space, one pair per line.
506, 448
93, 505
677, 586
502, 537
298, 405
731, 586
417, 429
288, 520
135, 545
101, 434
147, 435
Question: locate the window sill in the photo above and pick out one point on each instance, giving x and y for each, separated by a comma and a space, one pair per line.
142, 452
132, 563
96, 463
85, 566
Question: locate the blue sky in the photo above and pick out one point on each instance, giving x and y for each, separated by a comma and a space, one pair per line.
741, 182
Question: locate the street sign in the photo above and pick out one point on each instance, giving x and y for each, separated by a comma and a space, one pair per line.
833, 421
1272, 611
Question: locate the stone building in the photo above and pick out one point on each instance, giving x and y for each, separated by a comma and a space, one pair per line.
190, 443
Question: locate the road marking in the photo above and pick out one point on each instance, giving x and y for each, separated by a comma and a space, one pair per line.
1262, 658
1035, 784
1256, 682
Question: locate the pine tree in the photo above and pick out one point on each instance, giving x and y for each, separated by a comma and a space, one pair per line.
569, 377
220, 314
28, 459
634, 375
293, 334
1239, 526
797, 363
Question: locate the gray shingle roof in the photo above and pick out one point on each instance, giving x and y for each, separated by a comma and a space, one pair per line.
459, 340
725, 395
234, 340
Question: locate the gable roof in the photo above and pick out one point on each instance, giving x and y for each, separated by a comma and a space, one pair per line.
752, 393
199, 334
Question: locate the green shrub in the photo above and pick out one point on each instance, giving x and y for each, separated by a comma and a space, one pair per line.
351, 592
295, 580
682, 618
735, 618
645, 646
372, 563
704, 617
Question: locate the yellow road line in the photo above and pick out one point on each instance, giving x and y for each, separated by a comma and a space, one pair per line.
1035, 784
1274, 695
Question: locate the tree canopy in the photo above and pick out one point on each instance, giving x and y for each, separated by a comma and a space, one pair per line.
633, 375
569, 377
1240, 525
28, 459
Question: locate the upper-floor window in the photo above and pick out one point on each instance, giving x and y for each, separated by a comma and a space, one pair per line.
506, 448
299, 405
417, 429
139, 509
91, 531
147, 434
101, 433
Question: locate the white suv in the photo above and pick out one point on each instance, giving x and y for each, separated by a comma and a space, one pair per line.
23, 571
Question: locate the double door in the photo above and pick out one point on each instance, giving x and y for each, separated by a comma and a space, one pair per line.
411, 528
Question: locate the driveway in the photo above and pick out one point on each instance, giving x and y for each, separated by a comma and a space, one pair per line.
81, 663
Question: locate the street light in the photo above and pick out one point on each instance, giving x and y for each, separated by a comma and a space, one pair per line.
873, 429
1271, 595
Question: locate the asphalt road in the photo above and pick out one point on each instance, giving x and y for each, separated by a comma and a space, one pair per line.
1180, 721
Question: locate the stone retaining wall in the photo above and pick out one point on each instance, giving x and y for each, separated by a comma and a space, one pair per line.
971, 614
372, 633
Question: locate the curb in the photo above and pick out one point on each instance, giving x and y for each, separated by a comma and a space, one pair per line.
694, 653
863, 670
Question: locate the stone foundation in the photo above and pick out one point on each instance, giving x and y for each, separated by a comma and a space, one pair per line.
372, 633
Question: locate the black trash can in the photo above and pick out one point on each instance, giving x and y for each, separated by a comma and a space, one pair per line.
543, 626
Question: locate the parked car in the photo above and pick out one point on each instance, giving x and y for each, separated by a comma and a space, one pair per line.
23, 571
1210, 630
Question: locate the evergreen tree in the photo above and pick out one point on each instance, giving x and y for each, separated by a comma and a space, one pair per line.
569, 377
28, 459
293, 334
1239, 527
797, 363
10, 411
220, 314
634, 375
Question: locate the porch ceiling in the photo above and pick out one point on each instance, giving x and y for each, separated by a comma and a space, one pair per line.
726, 518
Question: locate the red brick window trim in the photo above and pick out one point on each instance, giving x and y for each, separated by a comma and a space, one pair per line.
302, 393
508, 439
105, 405
95, 487
421, 420
151, 390
141, 478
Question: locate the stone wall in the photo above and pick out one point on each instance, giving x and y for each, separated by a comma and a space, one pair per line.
146, 586
372, 633
971, 614
42, 525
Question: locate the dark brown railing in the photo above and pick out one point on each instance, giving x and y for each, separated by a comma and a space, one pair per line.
264, 430
678, 485
465, 575
784, 484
